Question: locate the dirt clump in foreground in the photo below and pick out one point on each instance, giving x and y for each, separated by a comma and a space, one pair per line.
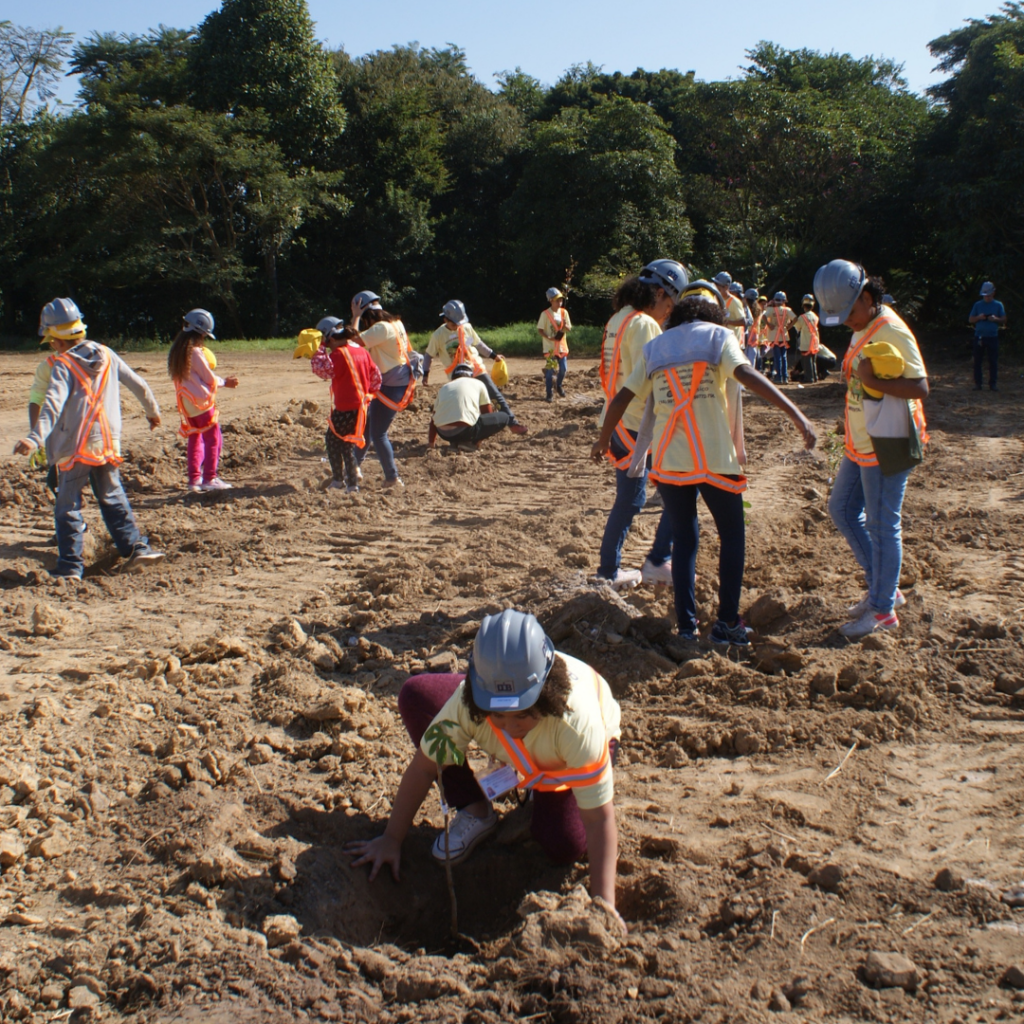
185, 752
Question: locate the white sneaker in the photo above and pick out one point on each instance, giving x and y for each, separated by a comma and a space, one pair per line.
397, 482
869, 622
465, 831
657, 575
359, 475
352, 488
195, 488
624, 579
336, 485
216, 484
855, 611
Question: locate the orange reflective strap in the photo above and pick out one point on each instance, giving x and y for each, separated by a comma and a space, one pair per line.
95, 415
860, 458
357, 436
557, 779
682, 413
561, 347
465, 353
404, 350
781, 339
609, 380
812, 328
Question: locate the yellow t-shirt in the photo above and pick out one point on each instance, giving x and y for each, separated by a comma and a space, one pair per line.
640, 330
577, 739
709, 409
901, 337
460, 401
40, 382
734, 311
545, 326
805, 331
384, 342
444, 343
773, 317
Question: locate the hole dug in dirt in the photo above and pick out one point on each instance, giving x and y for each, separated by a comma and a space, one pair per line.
329, 896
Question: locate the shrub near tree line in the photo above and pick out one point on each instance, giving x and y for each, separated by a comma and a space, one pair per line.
277, 179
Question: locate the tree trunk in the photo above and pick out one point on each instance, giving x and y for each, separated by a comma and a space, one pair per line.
270, 269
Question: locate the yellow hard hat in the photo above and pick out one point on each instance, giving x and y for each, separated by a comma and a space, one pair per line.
886, 363
309, 342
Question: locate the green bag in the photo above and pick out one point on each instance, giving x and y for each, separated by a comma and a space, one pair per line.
898, 454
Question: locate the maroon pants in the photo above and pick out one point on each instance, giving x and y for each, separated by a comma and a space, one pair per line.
556, 825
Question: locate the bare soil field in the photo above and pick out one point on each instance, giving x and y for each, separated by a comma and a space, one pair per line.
183, 753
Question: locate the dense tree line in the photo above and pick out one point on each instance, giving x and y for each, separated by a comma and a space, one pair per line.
241, 166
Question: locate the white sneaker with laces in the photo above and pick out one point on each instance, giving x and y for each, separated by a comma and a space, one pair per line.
465, 831
216, 484
869, 622
855, 611
657, 575
624, 579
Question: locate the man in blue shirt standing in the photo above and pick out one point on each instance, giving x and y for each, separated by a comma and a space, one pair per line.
987, 316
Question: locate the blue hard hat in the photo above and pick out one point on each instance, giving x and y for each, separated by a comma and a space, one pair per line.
723, 277
455, 311
367, 300
328, 325
200, 321
666, 274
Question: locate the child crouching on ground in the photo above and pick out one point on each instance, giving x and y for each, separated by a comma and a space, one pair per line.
355, 380
195, 387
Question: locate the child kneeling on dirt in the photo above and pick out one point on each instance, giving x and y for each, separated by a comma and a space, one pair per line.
549, 719
463, 414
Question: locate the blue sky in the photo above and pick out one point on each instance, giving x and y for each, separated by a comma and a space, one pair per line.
545, 38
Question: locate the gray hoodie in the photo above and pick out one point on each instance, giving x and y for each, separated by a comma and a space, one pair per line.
66, 406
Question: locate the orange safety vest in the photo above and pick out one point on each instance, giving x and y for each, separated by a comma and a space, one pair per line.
815, 345
94, 415
683, 411
561, 345
202, 406
357, 436
781, 339
609, 380
404, 348
551, 780
465, 353
916, 405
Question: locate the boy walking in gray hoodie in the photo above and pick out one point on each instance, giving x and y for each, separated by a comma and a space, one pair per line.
80, 425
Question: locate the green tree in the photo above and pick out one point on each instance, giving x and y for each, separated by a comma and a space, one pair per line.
600, 188
974, 183
262, 55
31, 63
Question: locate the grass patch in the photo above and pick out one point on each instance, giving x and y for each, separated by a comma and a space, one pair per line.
519, 339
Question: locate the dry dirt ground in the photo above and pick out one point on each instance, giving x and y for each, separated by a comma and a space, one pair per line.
183, 753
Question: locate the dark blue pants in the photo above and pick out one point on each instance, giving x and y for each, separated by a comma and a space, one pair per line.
726, 509
549, 375
117, 514
780, 364
630, 497
986, 347
378, 421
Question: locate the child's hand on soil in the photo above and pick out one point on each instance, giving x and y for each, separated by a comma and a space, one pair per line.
376, 852
231, 382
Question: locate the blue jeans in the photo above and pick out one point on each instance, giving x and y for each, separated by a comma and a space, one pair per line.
780, 365
114, 507
986, 347
549, 375
867, 509
378, 420
630, 497
726, 509
496, 397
